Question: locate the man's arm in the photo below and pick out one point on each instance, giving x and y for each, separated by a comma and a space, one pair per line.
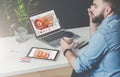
92, 54
70, 57
68, 54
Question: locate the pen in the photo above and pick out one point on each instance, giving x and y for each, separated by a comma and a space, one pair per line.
83, 45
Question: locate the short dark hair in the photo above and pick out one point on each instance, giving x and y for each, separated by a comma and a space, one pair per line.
115, 5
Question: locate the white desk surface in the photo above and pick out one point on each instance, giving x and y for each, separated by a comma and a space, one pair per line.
11, 51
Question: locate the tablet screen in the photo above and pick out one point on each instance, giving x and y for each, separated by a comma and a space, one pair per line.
43, 53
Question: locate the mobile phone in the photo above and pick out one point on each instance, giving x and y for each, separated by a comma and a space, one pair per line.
43, 53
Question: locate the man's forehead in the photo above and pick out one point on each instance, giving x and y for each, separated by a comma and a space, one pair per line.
94, 1
97, 1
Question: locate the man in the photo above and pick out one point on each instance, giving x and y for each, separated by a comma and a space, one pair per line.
101, 56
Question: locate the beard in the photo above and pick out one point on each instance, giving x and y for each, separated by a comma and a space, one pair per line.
98, 19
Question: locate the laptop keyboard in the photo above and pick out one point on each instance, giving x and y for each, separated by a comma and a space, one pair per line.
54, 36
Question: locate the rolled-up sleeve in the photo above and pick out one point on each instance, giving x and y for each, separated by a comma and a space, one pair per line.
92, 54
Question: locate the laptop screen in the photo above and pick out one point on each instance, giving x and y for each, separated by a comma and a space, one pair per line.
45, 23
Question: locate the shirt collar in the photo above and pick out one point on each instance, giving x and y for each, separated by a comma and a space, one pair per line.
107, 20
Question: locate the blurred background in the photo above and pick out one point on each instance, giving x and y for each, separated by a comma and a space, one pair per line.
71, 13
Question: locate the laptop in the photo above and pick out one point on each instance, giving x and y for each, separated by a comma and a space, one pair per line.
47, 28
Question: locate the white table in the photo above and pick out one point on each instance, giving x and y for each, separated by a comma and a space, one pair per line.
11, 51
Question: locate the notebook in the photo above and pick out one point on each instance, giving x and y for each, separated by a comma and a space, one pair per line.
47, 28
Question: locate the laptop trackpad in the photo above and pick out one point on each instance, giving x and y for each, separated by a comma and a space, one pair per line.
55, 43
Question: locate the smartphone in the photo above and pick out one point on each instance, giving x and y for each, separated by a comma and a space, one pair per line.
43, 53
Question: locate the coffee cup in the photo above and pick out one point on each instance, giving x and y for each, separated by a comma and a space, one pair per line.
68, 37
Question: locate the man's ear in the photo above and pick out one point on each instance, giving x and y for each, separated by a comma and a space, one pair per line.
108, 10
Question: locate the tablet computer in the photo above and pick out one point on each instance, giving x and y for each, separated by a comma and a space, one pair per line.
43, 53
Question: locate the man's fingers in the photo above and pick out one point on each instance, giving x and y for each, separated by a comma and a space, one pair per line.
90, 13
62, 41
72, 44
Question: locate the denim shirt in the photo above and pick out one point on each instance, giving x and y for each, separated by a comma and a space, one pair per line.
101, 57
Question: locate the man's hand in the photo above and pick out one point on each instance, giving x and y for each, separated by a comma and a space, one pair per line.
93, 26
65, 45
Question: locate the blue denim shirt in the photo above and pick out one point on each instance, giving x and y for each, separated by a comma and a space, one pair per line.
101, 57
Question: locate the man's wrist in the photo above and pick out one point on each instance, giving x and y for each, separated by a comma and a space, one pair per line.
64, 53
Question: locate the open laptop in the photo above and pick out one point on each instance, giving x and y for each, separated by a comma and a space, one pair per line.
47, 28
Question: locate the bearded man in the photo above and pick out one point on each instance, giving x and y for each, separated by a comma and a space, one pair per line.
100, 58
